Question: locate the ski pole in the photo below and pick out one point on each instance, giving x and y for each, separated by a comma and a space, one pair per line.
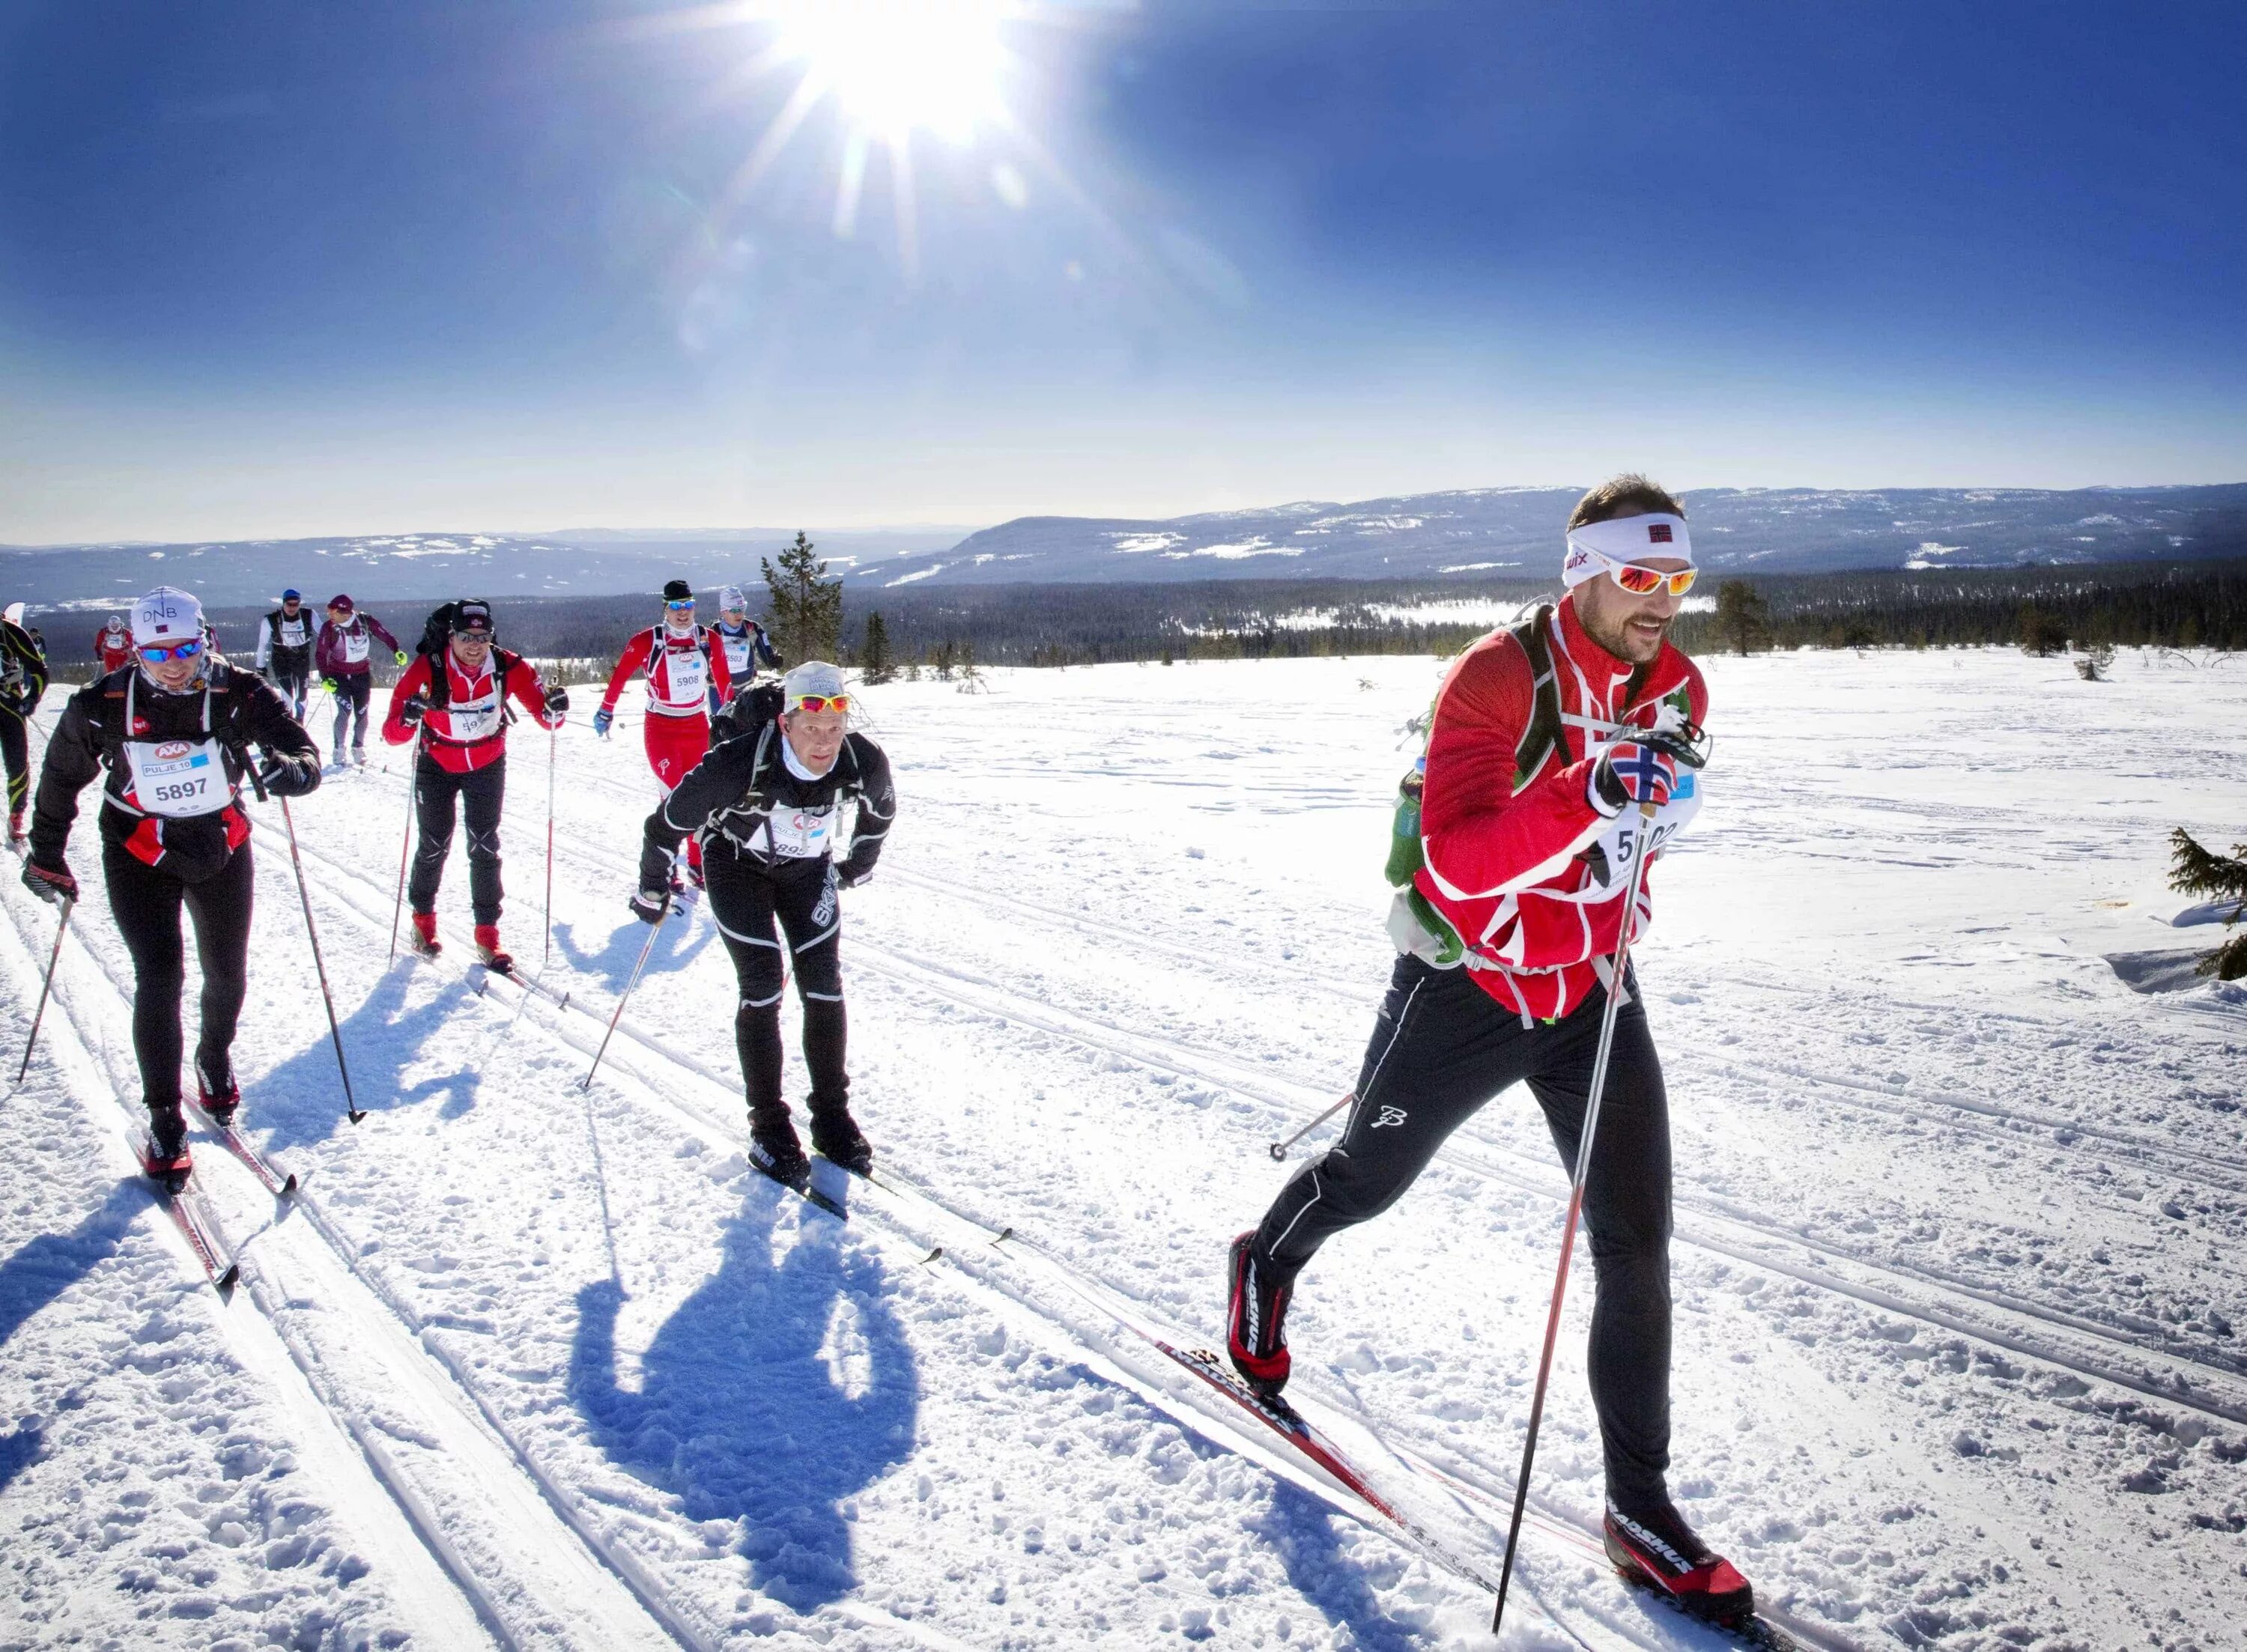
1279, 1150
1575, 1205
47, 987
624, 998
553, 755
412, 798
335, 1033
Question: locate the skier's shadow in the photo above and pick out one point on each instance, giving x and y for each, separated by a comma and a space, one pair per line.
1306, 1535
301, 1102
776, 1390
41, 1271
611, 962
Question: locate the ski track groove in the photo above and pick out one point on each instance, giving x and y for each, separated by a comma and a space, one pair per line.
600, 1619
975, 992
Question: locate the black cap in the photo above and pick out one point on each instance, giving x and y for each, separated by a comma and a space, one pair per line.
472, 617
676, 590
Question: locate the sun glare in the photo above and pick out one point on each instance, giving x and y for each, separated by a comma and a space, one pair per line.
895, 66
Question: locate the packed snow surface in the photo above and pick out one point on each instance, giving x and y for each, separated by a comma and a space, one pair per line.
1960, 1211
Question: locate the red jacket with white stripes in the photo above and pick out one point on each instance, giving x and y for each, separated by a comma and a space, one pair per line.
468, 730
1501, 864
680, 668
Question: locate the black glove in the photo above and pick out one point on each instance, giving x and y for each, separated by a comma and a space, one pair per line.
31, 706
850, 876
289, 777
411, 713
49, 883
648, 906
557, 699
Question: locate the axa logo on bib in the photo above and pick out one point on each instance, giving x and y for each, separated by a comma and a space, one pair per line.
171, 749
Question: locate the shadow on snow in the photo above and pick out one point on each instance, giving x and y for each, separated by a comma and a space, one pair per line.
301, 1102
779, 1387
1307, 1537
41, 1271
611, 962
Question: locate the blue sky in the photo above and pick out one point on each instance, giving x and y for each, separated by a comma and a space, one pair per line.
291, 267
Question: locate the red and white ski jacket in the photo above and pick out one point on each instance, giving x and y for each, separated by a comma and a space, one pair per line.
680, 669
468, 729
1501, 866
114, 647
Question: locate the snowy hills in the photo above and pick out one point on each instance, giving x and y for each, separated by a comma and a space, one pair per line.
1495, 529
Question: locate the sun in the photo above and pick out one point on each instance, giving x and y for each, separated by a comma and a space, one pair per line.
896, 66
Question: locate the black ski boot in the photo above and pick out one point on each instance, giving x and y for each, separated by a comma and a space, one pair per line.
168, 1161
1256, 1321
775, 1150
836, 1138
215, 1091
1652, 1547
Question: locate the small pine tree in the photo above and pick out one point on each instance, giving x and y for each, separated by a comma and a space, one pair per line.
806, 606
2195, 871
2042, 634
874, 654
1743, 616
971, 679
947, 652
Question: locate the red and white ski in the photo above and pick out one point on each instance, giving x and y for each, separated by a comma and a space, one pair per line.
280, 1184
190, 1212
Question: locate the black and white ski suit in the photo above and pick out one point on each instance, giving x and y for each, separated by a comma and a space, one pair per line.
768, 834
23, 680
173, 835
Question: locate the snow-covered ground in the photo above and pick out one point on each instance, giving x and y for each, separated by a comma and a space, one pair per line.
1960, 1213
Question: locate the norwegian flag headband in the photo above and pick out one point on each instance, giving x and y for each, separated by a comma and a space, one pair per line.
1624, 539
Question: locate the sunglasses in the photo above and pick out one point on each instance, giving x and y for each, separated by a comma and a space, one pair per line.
681, 606
822, 702
1641, 580
157, 654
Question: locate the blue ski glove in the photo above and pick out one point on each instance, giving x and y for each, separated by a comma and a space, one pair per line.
602, 720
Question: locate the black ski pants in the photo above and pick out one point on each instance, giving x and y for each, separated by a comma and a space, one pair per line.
1441, 1049
354, 690
147, 902
747, 899
16, 751
439, 794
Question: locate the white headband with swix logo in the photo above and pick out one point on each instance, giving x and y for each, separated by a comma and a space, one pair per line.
1624, 539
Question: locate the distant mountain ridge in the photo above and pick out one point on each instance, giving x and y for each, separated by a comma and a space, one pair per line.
1495, 532
1517, 530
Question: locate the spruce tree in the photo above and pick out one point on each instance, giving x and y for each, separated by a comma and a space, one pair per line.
2195, 871
806, 606
1743, 616
874, 653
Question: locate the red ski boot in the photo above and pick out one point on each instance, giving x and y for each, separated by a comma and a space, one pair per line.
215, 1091
167, 1160
1657, 1550
1255, 1321
488, 952
423, 939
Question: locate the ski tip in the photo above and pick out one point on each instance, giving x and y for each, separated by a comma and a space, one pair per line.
225, 1282
289, 1187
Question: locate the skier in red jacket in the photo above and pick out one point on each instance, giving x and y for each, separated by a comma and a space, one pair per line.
461, 717
112, 646
683, 664
1529, 830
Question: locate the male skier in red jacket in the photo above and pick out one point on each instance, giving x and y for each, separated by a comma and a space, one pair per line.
1506, 936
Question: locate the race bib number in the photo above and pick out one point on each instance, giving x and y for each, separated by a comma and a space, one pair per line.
475, 719
1627, 834
292, 634
737, 656
801, 834
355, 644
686, 678
178, 777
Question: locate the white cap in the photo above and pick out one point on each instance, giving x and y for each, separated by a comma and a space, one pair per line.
165, 615
813, 677
731, 598
15, 613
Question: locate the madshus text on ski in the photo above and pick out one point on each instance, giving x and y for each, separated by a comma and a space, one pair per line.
1561, 755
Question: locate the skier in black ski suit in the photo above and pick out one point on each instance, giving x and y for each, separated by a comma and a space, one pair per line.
284, 649
23, 680
765, 802
173, 729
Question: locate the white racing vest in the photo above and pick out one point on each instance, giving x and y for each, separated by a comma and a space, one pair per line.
469, 721
356, 640
295, 633
738, 650
800, 833
685, 686
175, 778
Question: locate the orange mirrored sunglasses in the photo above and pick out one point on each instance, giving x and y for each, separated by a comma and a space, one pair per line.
822, 702
1641, 580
